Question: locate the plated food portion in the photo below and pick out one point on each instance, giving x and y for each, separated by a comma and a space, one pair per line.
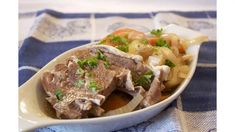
126, 71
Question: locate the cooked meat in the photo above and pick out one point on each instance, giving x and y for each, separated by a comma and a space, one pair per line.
97, 111
114, 51
153, 95
83, 104
125, 80
105, 78
138, 89
121, 59
129, 83
78, 88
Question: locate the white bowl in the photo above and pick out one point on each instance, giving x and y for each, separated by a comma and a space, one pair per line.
34, 113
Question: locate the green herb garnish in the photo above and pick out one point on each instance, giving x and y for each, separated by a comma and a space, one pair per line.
169, 63
81, 63
145, 79
59, 94
80, 71
110, 36
93, 86
89, 74
119, 39
123, 48
79, 83
144, 41
157, 32
106, 64
162, 43
91, 62
101, 55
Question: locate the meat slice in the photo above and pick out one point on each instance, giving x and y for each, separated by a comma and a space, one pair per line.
138, 89
105, 78
128, 61
161, 73
125, 80
77, 100
153, 95
68, 85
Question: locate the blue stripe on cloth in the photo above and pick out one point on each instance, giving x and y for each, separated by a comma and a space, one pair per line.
192, 14
127, 15
64, 15
212, 14
207, 52
25, 75
200, 94
37, 53
46, 129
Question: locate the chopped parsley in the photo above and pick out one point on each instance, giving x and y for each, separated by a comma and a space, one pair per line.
90, 62
101, 55
145, 79
169, 63
89, 74
119, 39
157, 32
59, 94
110, 36
162, 43
80, 71
93, 86
123, 48
144, 41
79, 83
106, 64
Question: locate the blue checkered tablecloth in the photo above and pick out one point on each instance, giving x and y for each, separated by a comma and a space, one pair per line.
53, 32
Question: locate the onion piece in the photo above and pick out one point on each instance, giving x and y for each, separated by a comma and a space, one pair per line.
182, 75
168, 54
128, 107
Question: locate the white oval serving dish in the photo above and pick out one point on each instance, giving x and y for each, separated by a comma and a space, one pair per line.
34, 113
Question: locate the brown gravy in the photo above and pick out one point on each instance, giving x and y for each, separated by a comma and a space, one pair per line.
116, 100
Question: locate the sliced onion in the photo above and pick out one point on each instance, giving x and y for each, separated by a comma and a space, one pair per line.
174, 79
168, 54
128, 107
182, 75
184, 68
187, 58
